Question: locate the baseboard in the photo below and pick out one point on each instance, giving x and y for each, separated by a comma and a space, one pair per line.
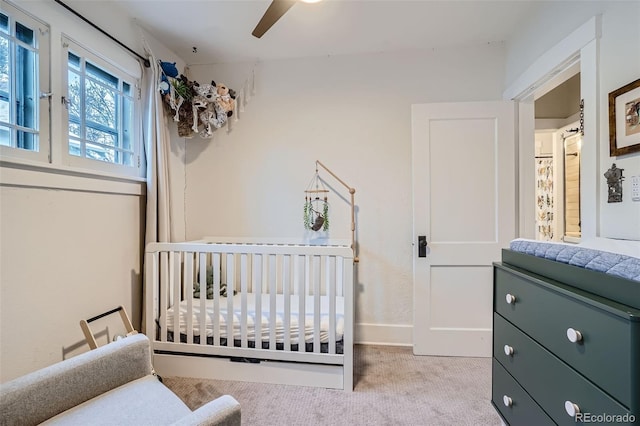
384, 334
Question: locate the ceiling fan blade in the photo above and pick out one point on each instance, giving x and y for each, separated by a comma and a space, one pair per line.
276, 9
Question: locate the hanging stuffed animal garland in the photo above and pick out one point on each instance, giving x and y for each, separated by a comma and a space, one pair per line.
197, 108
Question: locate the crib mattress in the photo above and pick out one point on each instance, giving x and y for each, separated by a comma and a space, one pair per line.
589, 258
265, 318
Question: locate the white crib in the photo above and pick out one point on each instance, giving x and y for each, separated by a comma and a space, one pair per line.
290, 320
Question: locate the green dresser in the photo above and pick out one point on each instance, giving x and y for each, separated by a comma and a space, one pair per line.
562, 355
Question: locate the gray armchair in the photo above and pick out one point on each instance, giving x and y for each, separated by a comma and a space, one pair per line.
111, 385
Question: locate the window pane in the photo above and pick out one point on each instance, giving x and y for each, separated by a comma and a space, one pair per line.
26, 98
4, 23
5, 136
74, 147
26, 140
127, 124
126, 88
4, 80
102, 137
73, 100
74, 61
74, 129
4, 109
100, 104
100, 153
25, 34
101, 75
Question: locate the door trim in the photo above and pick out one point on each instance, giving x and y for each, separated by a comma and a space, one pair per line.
579, 47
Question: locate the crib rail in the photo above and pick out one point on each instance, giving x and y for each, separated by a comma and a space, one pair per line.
292, 301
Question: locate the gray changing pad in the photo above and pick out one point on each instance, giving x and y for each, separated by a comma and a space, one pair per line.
597, 260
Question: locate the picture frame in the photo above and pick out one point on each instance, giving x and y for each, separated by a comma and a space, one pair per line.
624, 119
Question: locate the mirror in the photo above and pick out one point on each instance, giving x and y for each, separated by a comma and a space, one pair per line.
557, 162
572, 145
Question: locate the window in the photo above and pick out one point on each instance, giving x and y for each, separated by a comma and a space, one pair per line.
24, 76
102, 106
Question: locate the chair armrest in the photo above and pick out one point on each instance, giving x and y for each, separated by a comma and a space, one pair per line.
223, 411
42, 394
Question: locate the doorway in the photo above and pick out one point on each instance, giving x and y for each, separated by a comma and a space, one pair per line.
558, 142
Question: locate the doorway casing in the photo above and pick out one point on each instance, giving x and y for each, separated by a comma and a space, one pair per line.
578, 52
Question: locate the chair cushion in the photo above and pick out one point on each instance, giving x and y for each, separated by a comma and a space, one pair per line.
144, 401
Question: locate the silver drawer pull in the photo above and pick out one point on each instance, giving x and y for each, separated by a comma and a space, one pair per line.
571, 408
508, 350
508, 402
573, 335
510, 298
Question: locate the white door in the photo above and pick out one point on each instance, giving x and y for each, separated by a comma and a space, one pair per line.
464, 202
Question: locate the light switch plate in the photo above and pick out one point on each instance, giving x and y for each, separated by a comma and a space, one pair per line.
635, 188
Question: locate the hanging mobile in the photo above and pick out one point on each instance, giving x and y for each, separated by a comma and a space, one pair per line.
316, 209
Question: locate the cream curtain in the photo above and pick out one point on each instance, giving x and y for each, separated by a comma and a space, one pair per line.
156, 143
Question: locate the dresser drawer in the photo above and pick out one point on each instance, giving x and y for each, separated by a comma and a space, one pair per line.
603, 350
513, 403
549, 381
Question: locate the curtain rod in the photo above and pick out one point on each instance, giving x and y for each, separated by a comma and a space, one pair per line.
145, 60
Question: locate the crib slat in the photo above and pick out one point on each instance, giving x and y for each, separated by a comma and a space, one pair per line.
317, 281
296, 289
202, 320
230, 280
257, 286
164, 294
302, 315
243, 300
175, 259
275, 276
188, 293
331, 293
286, 293
216, 259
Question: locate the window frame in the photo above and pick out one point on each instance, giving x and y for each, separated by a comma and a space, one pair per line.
42, 34
85, 53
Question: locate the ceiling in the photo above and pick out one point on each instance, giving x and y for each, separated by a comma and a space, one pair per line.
221, 30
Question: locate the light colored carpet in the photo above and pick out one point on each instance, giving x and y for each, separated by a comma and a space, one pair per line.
392, 387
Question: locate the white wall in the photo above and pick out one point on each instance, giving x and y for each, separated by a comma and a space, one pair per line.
619, 62
353, 113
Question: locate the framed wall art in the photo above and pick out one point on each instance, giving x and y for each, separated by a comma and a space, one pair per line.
624, 120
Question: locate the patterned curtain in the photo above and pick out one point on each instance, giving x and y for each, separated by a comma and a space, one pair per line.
544, 199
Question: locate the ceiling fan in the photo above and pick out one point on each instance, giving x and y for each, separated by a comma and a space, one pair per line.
276, 9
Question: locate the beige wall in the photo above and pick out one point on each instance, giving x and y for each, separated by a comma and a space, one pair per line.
65, 255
